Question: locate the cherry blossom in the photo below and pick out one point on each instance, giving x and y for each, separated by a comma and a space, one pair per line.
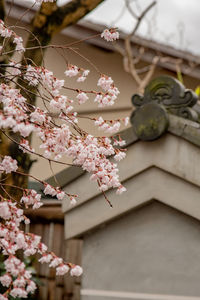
72, 71
59, 137
73, 201
120, 190
8, 165
2, 297
119, 156
76, 271
25, 147
45, 258
62, 269
110, 35
83, 76
82, 97
6, 280
49, 190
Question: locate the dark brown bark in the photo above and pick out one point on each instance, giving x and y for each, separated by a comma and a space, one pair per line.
2, 9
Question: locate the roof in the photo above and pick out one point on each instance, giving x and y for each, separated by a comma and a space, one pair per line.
189, 64
151, 171
157, 167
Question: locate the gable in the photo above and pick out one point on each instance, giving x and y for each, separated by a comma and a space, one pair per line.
166, 169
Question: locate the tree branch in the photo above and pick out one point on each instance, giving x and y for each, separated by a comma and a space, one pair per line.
50, 20
129, 60
141, 17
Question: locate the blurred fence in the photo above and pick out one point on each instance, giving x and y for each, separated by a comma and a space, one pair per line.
48, 222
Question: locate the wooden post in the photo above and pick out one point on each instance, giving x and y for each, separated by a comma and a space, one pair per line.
73, 254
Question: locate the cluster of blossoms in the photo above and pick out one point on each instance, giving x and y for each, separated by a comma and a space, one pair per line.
73, 71
17, 278
8, 165
8, 33
110, 35
111, 92
58, 139
110, 126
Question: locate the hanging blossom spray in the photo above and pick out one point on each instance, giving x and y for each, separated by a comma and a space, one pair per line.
57, 141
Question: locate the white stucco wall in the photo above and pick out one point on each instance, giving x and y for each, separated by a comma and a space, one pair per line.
152, 250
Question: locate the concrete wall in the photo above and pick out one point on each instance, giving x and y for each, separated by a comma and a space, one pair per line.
154, 250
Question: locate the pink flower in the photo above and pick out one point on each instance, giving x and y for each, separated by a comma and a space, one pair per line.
73, 201
19, 44
45, 258
61, 270
110, 35
83, 76
119, 143
14, 68
8, 165
20, 240
49, 190
76, 271
31, 287
60, 195
5, 211
105, 82
72, 71
55, 262
119, 156
126, 121
120, 190
38, 116
25, 147
18, 292
6, 280
19, 282
82, 97
2, 297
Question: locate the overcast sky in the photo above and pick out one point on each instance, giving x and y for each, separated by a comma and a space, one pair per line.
174, 22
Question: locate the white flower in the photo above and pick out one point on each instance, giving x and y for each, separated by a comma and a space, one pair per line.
49, 190
72, 71
76, 271
61, 270
45, 258
119, 156
5, 212
105, 82
73, 201
31, 287
120, 190
8, 165
60, 195
55, 262
5, 280
110, 35
82, 97
2, 297
18, 292
126, 121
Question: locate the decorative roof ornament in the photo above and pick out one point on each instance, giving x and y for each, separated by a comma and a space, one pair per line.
163, 95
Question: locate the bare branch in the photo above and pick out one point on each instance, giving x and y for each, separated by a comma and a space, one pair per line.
130, 9
129, 60
141, 17
149, 74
